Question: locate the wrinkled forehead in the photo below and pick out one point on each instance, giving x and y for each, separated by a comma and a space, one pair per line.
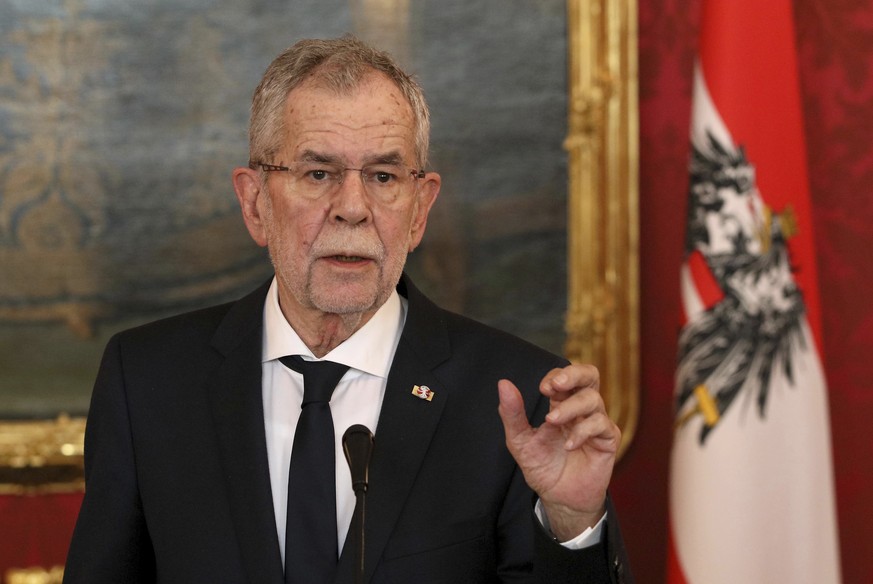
371, 110
372, 86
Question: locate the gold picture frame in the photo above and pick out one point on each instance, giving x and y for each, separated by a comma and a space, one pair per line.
42, 456
603, 171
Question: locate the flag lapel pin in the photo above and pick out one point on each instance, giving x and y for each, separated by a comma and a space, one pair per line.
422, 392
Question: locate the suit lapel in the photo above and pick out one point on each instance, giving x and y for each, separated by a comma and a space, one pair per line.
237, 410
406, 426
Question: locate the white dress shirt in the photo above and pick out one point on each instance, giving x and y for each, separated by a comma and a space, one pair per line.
357, 399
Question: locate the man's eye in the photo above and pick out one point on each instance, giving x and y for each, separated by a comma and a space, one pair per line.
318, 173
381, 175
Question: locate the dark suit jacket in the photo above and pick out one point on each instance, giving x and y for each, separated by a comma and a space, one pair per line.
178, 487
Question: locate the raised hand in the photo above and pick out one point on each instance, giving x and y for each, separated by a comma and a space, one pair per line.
568, 460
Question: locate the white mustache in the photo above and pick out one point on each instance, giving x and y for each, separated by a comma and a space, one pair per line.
348, 243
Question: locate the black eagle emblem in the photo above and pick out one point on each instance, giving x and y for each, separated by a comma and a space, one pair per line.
732, 347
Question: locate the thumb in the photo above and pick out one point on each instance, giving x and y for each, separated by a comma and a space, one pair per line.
511, 410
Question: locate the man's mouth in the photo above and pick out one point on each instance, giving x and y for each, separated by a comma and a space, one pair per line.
346, 259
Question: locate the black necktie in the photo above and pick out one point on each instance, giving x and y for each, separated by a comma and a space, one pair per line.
310, 532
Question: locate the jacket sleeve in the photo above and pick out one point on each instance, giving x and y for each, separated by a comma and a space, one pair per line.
110, 543
604, 563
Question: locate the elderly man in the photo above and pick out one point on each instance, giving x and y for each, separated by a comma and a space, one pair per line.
210, 459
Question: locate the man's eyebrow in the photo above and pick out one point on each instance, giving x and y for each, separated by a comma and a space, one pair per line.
394, 157
313, 156
387, 158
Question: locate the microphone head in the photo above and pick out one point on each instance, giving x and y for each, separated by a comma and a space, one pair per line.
358, 448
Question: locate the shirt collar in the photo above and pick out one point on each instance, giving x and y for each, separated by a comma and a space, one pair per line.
370, 349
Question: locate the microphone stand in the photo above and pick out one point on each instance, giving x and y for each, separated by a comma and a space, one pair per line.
358, 448
358, 522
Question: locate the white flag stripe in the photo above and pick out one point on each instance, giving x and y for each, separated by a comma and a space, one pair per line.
756, 504
704, 116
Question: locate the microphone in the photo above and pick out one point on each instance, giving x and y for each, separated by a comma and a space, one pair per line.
358, 448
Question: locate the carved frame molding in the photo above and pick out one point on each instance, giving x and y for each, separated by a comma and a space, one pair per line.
602, 321
42, 456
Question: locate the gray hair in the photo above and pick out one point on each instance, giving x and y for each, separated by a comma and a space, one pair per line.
337, 64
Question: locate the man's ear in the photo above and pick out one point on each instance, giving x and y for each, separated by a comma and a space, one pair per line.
247, 184
426, 196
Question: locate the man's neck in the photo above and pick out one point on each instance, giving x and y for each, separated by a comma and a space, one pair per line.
320, 331
326, 332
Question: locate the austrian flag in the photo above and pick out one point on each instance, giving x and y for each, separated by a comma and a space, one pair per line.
751, 485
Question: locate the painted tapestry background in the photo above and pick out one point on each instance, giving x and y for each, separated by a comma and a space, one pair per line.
120, 124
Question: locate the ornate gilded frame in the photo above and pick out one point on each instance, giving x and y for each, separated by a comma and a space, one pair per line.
602, 316
603, 231
42, 456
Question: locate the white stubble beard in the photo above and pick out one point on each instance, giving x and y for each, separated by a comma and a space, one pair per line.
350, 240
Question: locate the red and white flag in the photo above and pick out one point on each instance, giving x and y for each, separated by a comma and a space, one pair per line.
751, 485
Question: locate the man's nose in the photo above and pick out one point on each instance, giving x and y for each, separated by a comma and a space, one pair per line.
350, 202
